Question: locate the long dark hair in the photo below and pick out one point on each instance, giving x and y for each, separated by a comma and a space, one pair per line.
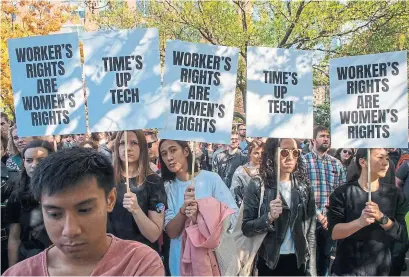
22, 192
168, 175
338, 156
268, 167
361, 153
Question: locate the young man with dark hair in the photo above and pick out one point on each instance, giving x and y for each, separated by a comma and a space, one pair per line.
243, 142
153, 143
153, 151
326, 173
228, 160
76, 190
80, 138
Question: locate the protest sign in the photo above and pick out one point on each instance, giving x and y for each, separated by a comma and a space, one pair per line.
123, 84
279, 93
47, 85
199, 83
369, 101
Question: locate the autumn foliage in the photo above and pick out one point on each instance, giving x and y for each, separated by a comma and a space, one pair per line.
26, 18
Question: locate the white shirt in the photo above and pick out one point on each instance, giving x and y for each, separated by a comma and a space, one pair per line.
287, 247
207, 184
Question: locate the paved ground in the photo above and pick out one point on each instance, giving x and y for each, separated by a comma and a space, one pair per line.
406, 273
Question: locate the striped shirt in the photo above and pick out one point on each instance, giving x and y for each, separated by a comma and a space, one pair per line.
325, 174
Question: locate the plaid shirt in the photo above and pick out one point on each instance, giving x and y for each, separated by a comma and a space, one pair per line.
325, 174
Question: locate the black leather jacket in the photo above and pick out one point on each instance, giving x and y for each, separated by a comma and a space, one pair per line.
301, 219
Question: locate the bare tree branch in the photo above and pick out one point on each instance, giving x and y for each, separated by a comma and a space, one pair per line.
243, 52
275, 10
320, 70
291, 28
373, 20
204, 34
289, 7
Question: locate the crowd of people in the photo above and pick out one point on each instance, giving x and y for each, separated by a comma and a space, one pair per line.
81, 205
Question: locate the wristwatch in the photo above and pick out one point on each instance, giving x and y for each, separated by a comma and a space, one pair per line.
384, 219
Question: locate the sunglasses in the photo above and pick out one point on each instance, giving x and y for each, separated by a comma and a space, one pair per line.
151, 143
286, 152
347, 152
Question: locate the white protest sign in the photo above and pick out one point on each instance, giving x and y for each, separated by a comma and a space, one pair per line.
47, 85
200, 83
369, 101
122, 74
279, 93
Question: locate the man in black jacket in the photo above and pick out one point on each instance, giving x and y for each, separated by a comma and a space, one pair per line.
227, 161
8, 180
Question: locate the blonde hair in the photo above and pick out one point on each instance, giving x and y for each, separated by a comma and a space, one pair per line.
11, 147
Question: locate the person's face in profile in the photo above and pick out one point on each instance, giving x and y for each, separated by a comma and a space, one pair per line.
5, 125
379, 162
76, 218
153, 146
20, 142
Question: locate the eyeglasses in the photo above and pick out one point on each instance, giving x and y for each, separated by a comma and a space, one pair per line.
242, 129
347, 152
151, 143
286, 152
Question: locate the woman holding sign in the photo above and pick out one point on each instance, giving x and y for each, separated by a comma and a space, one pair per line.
288, 249
28, 236
176, 166
365, 230
140, 206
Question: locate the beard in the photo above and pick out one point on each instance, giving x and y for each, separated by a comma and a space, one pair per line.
323, 148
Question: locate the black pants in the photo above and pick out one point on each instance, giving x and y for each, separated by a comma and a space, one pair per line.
4, 255
324, 247
398, 252
286, 266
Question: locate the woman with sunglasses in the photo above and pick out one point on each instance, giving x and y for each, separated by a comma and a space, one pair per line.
345, 156
139, 214
28, 236
288, 248
176, 158
366, 230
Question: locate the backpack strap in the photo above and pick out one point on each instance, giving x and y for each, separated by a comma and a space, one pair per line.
261, 193
247, 170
